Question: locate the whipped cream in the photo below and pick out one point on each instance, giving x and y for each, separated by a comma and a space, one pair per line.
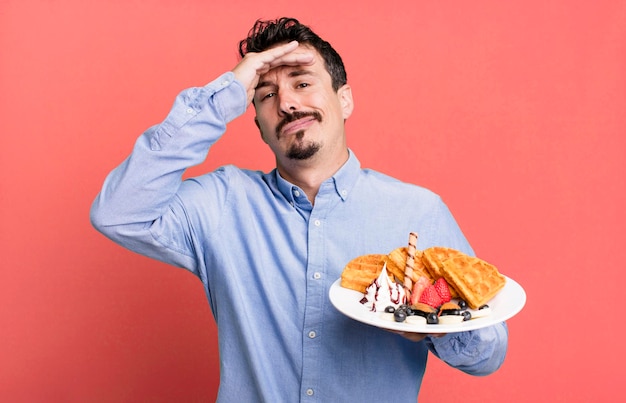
383, 292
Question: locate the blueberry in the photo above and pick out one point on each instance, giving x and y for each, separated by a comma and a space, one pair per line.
399, 315
483, 307
466, 315
432, 318
462, 304
390, 309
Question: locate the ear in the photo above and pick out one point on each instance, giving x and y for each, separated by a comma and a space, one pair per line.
345, 99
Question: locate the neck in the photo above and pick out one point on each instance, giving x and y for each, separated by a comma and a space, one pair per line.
309, 175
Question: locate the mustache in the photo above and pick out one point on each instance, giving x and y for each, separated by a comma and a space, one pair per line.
295, 116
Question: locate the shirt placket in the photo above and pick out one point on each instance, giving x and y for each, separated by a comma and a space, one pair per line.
313, 316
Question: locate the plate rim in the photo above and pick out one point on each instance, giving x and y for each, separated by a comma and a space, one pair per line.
337, 294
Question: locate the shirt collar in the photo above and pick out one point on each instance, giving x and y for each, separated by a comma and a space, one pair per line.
343, 181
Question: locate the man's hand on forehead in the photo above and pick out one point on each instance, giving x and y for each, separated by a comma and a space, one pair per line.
254, 65
290, 54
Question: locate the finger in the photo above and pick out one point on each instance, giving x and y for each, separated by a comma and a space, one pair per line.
437, 335
281, 50
293, 59
269, 57
411, 336
289, 54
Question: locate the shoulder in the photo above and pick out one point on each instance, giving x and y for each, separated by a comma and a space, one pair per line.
221, 182
229, 173
395, 187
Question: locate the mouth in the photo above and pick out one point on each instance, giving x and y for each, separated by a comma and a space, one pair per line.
298, 125
297, 122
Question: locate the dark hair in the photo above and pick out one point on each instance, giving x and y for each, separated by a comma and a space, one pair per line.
265, 34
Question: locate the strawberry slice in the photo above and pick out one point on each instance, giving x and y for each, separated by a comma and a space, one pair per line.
431, 297
441, 285
418, 288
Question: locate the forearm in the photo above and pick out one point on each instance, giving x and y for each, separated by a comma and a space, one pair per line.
476, 352
140, 190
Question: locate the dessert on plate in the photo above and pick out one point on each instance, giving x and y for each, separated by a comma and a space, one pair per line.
441, 284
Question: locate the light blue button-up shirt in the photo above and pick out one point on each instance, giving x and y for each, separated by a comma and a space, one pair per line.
267, 258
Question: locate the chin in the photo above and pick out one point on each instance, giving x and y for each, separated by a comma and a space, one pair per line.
303, 153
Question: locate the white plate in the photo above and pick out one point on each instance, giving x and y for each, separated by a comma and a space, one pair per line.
506, 304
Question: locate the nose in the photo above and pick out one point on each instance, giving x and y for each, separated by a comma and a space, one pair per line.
288, 102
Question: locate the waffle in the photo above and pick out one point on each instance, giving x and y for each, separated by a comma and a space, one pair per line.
359, 273
433, 259
475, 280
396, 262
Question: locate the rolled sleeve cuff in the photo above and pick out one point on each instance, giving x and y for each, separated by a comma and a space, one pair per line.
476, 352
223, 98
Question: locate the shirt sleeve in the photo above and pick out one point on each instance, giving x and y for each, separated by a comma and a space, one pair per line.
142, 191
476, 352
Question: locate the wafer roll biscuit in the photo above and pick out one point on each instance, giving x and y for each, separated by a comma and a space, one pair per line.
410, 263
396, 263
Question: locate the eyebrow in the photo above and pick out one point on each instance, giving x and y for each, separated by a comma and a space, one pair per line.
293, 73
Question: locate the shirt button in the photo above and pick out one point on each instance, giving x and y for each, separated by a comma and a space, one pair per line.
312, 334
317, 275
296, 193
225, 83
189, 110
317, 223
344, 193
309, 392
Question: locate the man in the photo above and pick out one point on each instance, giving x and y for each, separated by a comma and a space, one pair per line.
268, 246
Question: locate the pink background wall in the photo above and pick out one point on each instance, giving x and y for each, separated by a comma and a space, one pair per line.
513, 111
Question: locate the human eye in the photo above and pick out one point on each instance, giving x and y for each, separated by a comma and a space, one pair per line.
262, 96
303, 85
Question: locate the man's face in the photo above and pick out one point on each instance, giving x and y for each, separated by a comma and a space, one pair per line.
299, 114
